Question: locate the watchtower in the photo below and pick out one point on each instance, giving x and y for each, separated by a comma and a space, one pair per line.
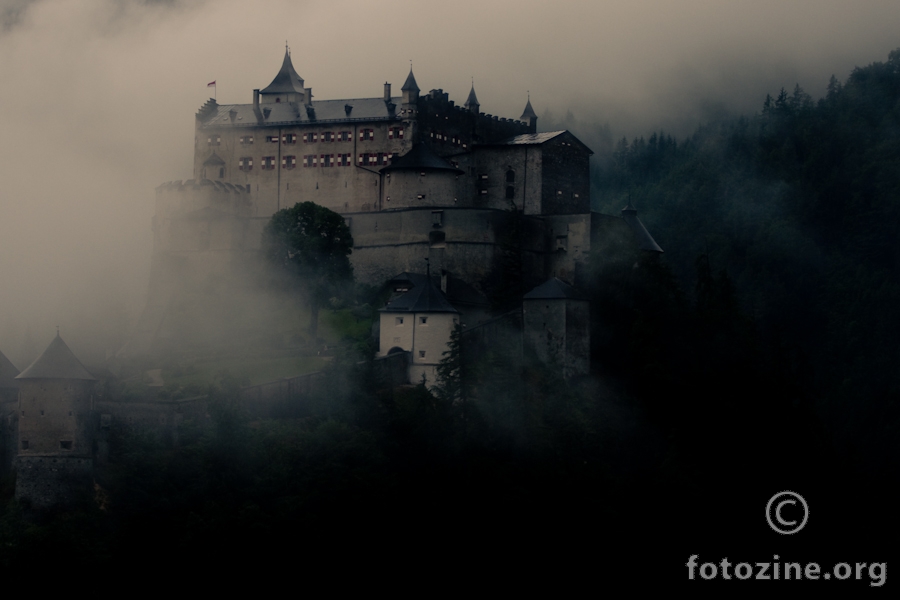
56, 433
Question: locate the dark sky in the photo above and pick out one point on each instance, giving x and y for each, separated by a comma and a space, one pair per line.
99, 98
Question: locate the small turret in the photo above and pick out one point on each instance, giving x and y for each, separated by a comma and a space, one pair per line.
410, 91
287, 85
529, 116
472, 101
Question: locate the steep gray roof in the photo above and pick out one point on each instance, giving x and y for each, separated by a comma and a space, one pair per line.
554, 289
644, 239
287, 81
532, 138
8, 372
529, 112
292, 113
422, 298
57, 362
420, 156
410, 83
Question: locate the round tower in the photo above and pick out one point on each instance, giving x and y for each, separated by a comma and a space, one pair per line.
55, 430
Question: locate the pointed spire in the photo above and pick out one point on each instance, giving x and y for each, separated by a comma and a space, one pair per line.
287, 81
472, 101
529, 112
410, 84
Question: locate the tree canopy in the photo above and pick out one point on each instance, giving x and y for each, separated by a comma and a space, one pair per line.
312, 244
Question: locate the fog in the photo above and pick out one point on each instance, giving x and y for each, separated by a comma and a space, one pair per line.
99, 99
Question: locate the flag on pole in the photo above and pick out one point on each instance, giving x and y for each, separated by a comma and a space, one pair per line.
211, 84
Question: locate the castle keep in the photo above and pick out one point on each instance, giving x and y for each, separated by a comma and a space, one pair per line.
416, 176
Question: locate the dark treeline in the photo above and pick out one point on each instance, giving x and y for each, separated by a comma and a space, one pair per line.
757, 354
795, 211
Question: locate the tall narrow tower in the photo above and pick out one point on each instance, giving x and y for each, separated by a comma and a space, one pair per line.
54, 464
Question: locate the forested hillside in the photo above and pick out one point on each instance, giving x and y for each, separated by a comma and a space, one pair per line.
797, 209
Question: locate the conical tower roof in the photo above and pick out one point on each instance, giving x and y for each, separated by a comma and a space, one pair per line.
472, 100
644, 239
57, 362
287, 81
8, 372
529, 112
410, 83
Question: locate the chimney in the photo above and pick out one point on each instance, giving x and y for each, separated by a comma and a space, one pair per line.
256, 100
387, 92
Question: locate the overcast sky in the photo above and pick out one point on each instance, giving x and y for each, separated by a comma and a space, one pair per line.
99, 97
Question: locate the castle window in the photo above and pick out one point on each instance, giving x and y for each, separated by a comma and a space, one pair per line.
344, 136
423, 320
328, 136
289, 138
437, 217
388, 158
562, 242
395, 133
510, 176
398, 321
510, 192
420, 196
328, 160
310, 137
214, 140
366, 135
575, 195
343, 160
24, 444
380, 159
272, 139
421, 354
288, 162
268, 163
483, 176
221, 172
42, 413
65, 444
246, 139
559, 192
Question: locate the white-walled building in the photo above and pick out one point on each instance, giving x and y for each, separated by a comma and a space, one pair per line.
419, 322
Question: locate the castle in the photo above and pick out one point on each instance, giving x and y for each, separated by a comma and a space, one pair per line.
418, 179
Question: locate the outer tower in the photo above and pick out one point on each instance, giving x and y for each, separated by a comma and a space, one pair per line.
556, 321
410, 89
56, 433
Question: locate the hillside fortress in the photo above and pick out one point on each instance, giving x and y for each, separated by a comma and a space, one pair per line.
415, 176
487, 203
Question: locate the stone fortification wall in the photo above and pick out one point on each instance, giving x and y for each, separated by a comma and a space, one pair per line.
463, 241
52, 481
